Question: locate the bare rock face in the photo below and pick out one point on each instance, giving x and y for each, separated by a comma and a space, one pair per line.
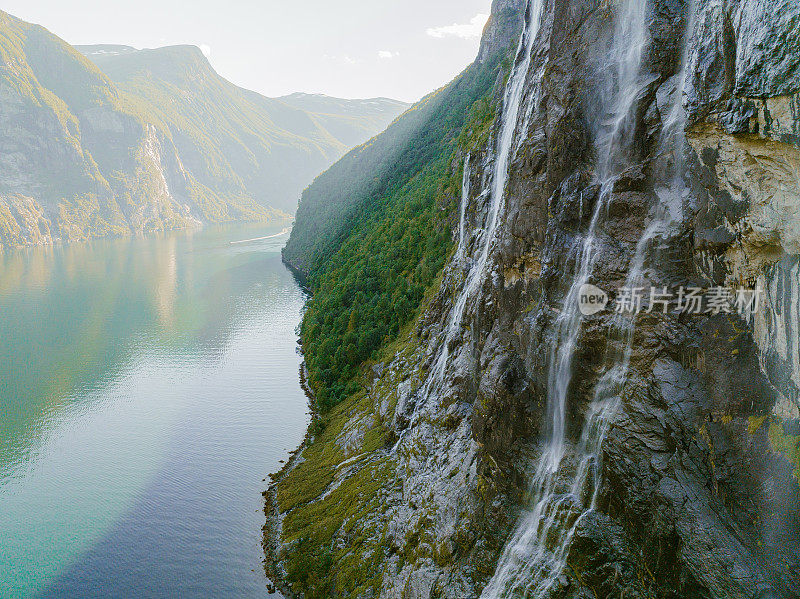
504, 25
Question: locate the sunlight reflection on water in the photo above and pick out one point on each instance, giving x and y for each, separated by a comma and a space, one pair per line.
151, 386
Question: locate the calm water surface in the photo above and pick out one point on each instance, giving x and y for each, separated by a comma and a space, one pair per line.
146, 389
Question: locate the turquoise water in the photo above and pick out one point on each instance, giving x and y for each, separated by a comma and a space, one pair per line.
147, 388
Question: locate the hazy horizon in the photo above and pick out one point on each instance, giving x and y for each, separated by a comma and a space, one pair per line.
353, 49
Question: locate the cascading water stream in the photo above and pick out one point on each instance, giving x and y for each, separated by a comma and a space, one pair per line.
607, 394
504, 155
527, 566
673, 190
505, 147
462, 217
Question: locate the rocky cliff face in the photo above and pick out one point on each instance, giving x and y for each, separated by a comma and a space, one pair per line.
512, 446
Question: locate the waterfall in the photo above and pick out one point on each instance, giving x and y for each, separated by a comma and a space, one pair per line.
462, 225
504, 154
527, 567
673, 190
776, 326
670, 191
504, 150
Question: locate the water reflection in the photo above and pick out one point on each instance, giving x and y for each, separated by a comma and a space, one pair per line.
109, 350
72, 315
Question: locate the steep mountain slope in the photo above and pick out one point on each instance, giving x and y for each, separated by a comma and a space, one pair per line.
234, 140
80, 159
169, 145
510, 444
371, 233
333, 204
352, 122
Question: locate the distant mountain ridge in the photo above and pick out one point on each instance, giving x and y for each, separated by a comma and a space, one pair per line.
112, 140
351, 121
269, 148
101, 49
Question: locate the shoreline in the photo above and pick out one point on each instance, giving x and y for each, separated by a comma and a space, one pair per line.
195, 226
271, 531
298, 274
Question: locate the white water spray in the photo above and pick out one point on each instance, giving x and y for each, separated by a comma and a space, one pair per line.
504, 155
462, 224
527, 567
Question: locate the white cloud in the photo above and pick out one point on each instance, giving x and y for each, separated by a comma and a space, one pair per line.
206, 50
387, 54
466, 31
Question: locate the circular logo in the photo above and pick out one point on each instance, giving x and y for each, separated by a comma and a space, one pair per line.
591, 299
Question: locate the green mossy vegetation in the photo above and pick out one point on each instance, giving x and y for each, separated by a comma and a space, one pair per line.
317, 509
331, 494
9, 228
372, 245
781, 441
786, 444
88, 215
378, 273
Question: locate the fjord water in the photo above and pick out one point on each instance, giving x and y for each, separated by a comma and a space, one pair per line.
147, 388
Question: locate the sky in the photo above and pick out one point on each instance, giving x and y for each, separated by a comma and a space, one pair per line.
400, 49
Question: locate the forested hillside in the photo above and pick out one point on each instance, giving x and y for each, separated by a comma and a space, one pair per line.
517, 439
373, 232
148, 141
235, 139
